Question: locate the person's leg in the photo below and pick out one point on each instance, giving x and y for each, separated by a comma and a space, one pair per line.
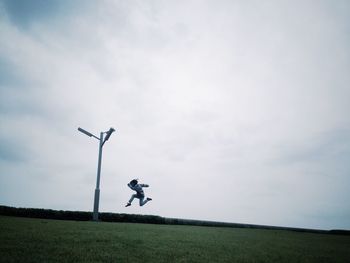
132, 198
144, 201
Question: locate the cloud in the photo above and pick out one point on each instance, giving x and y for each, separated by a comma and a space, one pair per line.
25, 15
234, 112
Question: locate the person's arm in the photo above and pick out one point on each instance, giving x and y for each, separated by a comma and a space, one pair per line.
131, 187
144, 185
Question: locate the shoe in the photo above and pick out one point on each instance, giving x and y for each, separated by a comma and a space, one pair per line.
149, 199
128, 204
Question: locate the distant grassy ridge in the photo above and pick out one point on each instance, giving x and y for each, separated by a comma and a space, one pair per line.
148, 219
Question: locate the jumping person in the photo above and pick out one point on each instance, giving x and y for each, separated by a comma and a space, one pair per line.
134, 185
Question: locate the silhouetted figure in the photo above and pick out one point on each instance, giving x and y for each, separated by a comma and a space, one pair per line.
134, 185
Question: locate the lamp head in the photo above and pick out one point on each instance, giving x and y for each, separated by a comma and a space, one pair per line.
109, 133
85, 132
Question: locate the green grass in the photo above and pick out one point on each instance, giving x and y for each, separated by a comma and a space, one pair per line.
39, 240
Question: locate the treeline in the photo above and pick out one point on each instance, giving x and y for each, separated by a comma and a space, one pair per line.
148, 219
79, 215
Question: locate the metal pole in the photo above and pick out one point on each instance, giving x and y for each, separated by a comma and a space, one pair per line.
97, 190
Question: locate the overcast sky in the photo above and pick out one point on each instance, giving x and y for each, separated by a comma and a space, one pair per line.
234, 111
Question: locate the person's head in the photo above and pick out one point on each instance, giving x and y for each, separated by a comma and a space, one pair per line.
133, 182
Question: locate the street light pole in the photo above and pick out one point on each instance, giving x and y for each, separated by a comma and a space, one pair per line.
97, 189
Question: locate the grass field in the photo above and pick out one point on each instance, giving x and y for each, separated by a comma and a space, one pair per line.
39, 240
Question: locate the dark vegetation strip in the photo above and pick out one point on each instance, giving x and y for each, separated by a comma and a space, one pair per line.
148, 219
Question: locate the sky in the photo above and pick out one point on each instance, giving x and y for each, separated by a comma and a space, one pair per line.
233, 111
